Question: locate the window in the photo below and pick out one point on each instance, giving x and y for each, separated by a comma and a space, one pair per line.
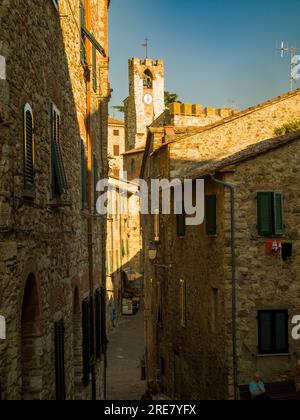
59, 332
116, 150
181, 224
96, 179
82, 39
132, 166
84, 178
116, 133
87, 340
59, 180
211, 214
28, 148
270, 213
273, 336
101, 340
183, 315
148, 80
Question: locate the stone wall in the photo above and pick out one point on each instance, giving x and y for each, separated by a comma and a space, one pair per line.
41, 238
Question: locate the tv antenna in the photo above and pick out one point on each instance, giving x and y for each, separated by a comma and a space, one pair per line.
146, 46
291, 51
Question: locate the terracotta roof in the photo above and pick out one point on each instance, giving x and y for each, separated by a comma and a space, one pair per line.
134, 151
113, 121
224, 121
201, 169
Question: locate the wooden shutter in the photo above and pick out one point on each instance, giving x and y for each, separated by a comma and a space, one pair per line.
94, 65
278, 214
82, 37
84, 180
59, 180
103, 321
98, 324
59, 331
95, 177
28, 148
265, 213
211, 214
86, 338
181, 225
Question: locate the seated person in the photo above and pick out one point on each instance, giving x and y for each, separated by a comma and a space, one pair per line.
258, 390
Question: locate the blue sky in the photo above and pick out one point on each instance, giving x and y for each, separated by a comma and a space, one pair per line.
216, 52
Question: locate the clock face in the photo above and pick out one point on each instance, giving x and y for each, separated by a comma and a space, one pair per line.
148, 99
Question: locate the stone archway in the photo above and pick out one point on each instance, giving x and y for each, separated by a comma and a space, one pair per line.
31, 342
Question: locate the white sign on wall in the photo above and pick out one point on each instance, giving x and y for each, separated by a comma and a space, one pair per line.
2, 68
296, 67
2, 328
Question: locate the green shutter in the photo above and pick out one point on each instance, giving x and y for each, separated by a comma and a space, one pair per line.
59, 179
95, 177
181, 224
29, 149
265, 213
84, 176
82, 40
211, 214
278, 214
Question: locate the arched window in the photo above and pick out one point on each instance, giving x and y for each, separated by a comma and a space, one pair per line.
148, 79
28, 148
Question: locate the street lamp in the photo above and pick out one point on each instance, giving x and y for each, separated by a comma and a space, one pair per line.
152, 252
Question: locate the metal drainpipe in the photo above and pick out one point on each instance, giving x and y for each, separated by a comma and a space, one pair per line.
90, 189
234, 283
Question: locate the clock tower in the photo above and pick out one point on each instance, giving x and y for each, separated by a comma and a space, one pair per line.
146, 100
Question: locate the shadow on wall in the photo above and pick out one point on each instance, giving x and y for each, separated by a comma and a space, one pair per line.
49, 227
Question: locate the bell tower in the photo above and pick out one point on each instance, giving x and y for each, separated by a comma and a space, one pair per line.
146, 99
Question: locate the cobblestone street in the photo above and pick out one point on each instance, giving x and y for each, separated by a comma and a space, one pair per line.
126, 348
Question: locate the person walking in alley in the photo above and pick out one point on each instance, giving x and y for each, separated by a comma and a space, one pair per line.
258, 390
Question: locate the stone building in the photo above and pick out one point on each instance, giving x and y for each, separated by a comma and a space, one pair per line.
54, 94
216, 315
116, 146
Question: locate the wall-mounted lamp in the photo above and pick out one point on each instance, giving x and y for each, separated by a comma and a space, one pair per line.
152, 252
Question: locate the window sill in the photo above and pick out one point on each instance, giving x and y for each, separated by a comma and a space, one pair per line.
29, 194
263, 356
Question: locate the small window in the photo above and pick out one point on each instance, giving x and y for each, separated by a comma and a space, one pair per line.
148, 80
270, 213
183, 314
116, 133
117, 150
28, 148
211, 214
132, 166
59, 180
273, 335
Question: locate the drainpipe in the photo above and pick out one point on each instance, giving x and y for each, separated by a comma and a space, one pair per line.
232, 189
90, 190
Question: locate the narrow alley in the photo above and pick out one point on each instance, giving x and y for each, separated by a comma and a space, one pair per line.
126, 348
